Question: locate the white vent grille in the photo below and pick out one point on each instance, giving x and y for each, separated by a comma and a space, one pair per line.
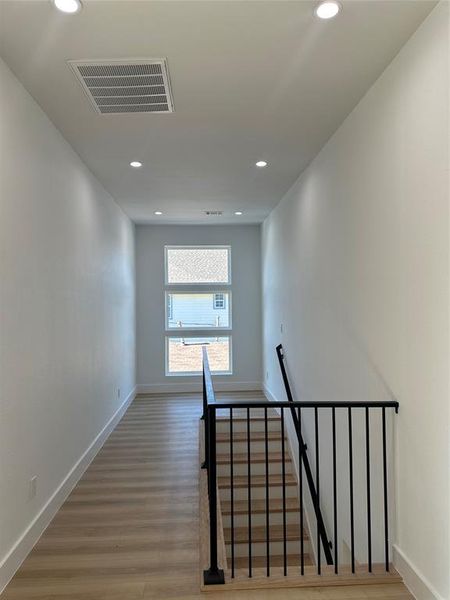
125, 86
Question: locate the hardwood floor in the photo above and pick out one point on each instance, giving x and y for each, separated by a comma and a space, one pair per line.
130, 528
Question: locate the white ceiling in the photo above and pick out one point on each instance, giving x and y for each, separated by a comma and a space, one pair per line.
251, 80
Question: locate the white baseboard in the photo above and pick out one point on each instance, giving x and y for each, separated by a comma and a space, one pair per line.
15, 557
219, 386
414, 580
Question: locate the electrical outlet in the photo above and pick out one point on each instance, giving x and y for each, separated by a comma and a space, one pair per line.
32, 489
118, 392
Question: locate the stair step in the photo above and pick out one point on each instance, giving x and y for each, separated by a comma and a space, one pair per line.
241, 481
259, 534
240, 414
259, 506
257, 457
293, 560
255, 436
240, 419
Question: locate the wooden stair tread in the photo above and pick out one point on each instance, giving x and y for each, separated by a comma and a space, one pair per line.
256, 457
255, 436
240, 481
259, 506
240, 414
259, 534
328, 578
242, 419
292, 560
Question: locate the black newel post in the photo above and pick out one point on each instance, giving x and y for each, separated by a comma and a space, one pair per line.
213, 575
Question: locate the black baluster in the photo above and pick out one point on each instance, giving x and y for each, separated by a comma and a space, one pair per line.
283, 475
249, 497
213, 575
300, 483
316, 428
267, 494
232, 492
369, 520
350, 459
385, 492
333, 415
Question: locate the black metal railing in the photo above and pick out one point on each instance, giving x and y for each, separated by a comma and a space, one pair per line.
323, 419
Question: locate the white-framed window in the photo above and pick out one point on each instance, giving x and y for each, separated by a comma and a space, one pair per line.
197, 313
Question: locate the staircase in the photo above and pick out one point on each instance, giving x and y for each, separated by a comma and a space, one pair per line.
251, 506
246, 540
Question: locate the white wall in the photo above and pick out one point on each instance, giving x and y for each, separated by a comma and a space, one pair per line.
246, 301
355, 266
67, 322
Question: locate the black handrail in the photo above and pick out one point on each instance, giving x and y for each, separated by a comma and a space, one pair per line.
306, 404
304, 457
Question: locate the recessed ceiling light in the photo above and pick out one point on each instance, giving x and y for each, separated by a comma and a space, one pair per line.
327, 9
261, 164
238, 213
135, 164
68, 6
158, 212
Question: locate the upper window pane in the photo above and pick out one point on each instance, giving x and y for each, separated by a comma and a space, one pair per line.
202, 264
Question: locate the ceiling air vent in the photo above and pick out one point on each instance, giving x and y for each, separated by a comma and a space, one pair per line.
125, 86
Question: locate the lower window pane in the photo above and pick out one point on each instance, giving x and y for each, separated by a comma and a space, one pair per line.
184, 355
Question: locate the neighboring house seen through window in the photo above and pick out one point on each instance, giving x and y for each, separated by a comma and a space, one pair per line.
219, 301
